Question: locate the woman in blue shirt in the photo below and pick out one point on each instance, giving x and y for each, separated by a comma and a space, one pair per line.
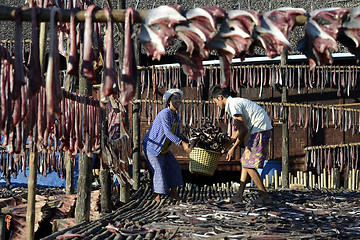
165, 130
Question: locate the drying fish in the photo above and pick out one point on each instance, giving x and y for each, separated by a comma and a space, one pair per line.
53, 88
198, 31
235, 37
109, 71
275, 28
321, 32
128, 78
349, 33
157, 29
208, 137
87, 66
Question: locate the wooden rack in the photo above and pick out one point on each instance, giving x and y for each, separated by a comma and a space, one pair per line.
332, 146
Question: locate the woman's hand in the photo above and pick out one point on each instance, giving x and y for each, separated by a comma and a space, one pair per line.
185, 146
230, 154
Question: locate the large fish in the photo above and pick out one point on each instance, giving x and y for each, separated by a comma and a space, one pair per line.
128, 79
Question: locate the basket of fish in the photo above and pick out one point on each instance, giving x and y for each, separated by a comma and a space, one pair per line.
203, 162
206, 144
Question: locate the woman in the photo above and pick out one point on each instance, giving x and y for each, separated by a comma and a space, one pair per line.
165, 130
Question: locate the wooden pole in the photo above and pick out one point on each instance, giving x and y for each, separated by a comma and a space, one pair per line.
82, 209
285, 130
32, 181
30, 214
2, 227
118, 15
124, 190
69, 162
105, 176
336, 178
136, 125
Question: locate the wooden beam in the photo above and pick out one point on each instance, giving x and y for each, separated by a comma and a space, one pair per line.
118, 15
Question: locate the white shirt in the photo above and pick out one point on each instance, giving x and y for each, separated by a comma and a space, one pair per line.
255, 116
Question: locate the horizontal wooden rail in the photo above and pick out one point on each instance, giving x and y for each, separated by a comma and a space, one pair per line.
118, 15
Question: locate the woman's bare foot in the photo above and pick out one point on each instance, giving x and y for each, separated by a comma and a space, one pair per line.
158, 197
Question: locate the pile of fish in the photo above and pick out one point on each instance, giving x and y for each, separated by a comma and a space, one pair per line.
208, 137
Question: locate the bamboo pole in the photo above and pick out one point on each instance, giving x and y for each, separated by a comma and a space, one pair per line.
333, 146
305, 176
267, 180
352, 179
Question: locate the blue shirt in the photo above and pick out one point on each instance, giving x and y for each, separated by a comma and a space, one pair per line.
160, 130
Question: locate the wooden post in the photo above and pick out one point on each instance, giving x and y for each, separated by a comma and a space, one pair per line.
105, 176
285, 130
32, 181
69, 163
2, 227
82, 209
30, 213
353, 174
124, 190
313, 180
136, 125
336, 178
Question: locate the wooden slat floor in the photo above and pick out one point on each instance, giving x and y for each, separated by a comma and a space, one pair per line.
294, 214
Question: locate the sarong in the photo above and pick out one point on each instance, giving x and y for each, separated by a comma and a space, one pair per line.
166, 171
255, 151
